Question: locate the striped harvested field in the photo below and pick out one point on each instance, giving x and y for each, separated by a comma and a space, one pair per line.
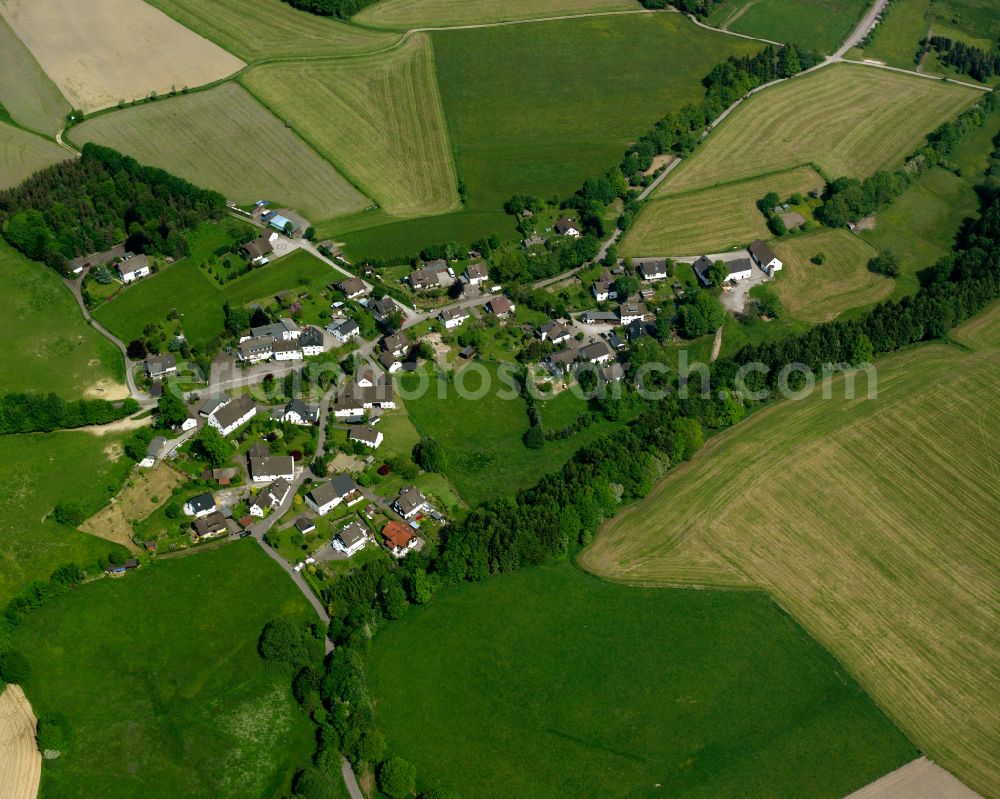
873, 522
848, 119
20, 760
711, 220
406, 14
820, 292
224, 139
22, 154
378, 118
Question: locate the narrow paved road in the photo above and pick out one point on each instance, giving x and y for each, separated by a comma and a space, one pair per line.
862, 29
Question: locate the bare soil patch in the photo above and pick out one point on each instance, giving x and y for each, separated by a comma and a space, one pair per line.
20, 760
920, 779
107, 389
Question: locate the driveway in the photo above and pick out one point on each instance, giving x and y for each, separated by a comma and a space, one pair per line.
735, 299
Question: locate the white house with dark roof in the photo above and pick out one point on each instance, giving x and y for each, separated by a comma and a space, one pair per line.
476, 273
765, 257
233, 415
653, 270
268, 468
740, 269
298, 412
152, 452
598, 352
312, 341
629, 312
160, 366
256, 349
390, 362
381, 309
567, 227
366, 393
453, 317
397, 344
366, 435
327, 496
287, 351
133, 267
353, 287
556, 332
351, 538
210, 526
410, 502
344, 330
270, 497
501, 307
432, 275
200, 505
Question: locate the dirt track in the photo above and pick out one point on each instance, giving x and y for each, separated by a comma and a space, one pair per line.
20, 761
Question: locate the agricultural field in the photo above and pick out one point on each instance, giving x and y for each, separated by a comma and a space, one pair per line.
378, 118
238, 26
821, 292
33, 471
23, 153
225, 140
712, 220
811, 25
849, 537
49, 346
26, 91
896, 41
111, 50
553, 689
188, 708
20, 760
199, 299
848, 119
407, 14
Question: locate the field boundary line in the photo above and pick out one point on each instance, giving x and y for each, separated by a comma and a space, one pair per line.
737, 181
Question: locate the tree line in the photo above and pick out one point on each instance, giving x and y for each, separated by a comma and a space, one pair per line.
31, 413
99, 200
966, 58
344, 9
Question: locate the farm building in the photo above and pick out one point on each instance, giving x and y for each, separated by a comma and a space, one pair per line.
764, 257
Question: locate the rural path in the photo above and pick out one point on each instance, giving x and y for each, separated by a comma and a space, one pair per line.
862, 29
716, 345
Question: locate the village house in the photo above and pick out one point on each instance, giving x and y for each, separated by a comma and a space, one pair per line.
366, 435
305, 525
382, 309
351, 538
556, 332
284, 329
256, 251
598, 352
560, 362
567, 227
629, 312
211, 405
233, 415
344, 330
599, 318
433, 275
270, 497
266, 468
255, 350
638, 328
353, 288
653, 270
298, 412
133, 267
701, 267
500, 307
765, 258
741, 269
160, 366
397, 344
399, 539
366, 393
390, 362
312, 342
410, 502
210, 526
153, 452
287, 351
476, 273
604, 288
453, 317
329, 495
200, 506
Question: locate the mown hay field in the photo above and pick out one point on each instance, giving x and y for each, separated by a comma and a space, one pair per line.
561, 685
873, 523
848, 119
712, 220
104, 51
20, 760
158, 676
811, 24
378, 118
255, 29
821, 292
407, 14
26, 91
22, 154
225, 140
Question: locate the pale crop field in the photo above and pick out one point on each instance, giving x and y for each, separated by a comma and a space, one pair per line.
407, 14
22, 154
873, 522
20, 760
225, 140
104, 51
254, 29
711, 220
820, 292
26, 91
848, 119
378, 118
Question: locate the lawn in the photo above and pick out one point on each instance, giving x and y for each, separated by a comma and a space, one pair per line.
159, 678
406, 14
585, 88
103, 53
199, 299
49, 347
549, 682
378, 118
37, 471
26, 91
811, 24
225, 140
711, 220
821, 292
848, 119
23, 153
875, 529
482, 437
238, 26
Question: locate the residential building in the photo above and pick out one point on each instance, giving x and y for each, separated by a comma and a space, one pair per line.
268, 468
255, 350
599, 318
560, 362
344, 329
312, 342
476, 273
432, 275
256, 251
390, 362
210, 526
399, 539
366, 435
741, 269
270, 497
233, 415
567, 227
366, 393
298, 412
211, 405
701, 267
305, 525
410, 502
351, 538
556, 332
637, 329
629, 312
765, 258
287, 351
329, 495
382, 308
653, 270
153, 452
453, 317
133, 267
501, 307
598, 352
200, 506
160, 366
397, 344
612, 373
353, 287
604, 288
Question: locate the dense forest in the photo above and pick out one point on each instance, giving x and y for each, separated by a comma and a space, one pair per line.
30, 413
966, 58
99, 200
331, 8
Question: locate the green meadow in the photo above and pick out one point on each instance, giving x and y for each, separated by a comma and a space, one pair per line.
811, 24
549, 682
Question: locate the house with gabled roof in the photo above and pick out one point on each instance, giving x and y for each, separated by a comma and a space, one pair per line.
399, 538
353, 287
653, 269
366, 435
312, 341
476, 273
556, 332
200, 505
501, 307
160, 366
567, 227
210, 526
410, 502
327, 496
133, 267
390, 362
764, 257
453, 317
351, 538
233, 415
397, 344
270, 497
